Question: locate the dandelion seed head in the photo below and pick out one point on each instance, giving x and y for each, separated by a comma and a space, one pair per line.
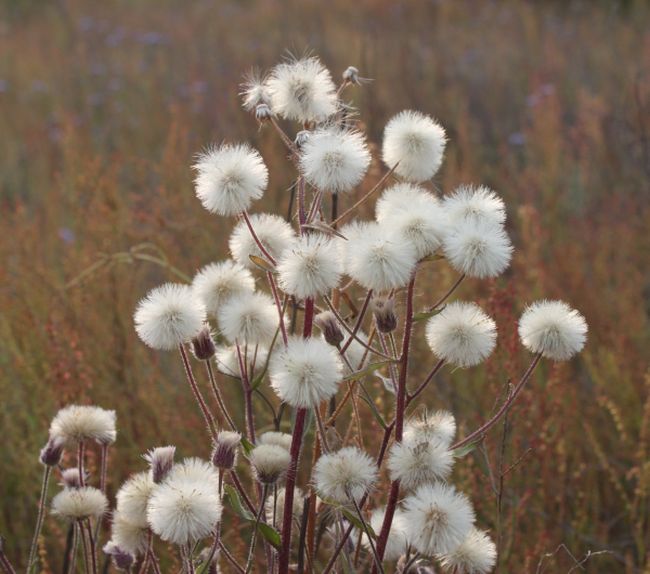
169, 316
397, 543
305, 372
415, 143
419, 462
127, 536
477, 554
475, 204
278, 508
79, 503
553, 329
438, 427
250, 318
254, 92
478, 249
270, 462
132, 498
194, 470
461, 334
215, 283
282, 439
334, 160
273, 232
310, 267
302, 90
437, 519
76, 423
380, 260
229, 178
344, 474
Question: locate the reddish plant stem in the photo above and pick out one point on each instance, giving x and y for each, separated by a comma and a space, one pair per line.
276, 298
357, 324
248, 396
302, 214
4, 562
218, 397
80, 463
207, 416
412, 396
448, 293
504, 407
242, 491
400, 407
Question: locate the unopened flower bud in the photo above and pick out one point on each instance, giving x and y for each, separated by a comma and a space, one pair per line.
70, 478
224, 453
203, 345
383, 309
122, 559
327, 323
161, 460
351, 75
301, 138
262, 112
52, 452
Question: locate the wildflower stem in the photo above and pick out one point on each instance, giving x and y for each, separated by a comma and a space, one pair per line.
400, 407
241, 491
359, 321
258, 518
448, 293
411, 396
321, 429
302, 216
276, 298
218, 397
248, 396
263, 249
367, 531
80, 463
39, 519
365, 198
479, 432
230, 557
86, 550
214, 547
284, 137
91, 543
296, 441
71, 553
209, 420
4, 561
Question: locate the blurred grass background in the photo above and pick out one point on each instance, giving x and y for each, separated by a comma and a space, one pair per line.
102, 106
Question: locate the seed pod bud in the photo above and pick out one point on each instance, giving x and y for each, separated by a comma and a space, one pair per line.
52, 452
301, 138
161, 460
203, 345
351, 75
262, 112
70, 478
327, 323
224, 453
383, 309
122, 559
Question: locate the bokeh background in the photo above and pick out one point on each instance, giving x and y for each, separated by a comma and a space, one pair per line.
104, 104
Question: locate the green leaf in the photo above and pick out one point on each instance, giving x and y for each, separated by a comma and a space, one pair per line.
270, 534
235, 502
247, 445
465, 450
368, 370
424, 315
261, 263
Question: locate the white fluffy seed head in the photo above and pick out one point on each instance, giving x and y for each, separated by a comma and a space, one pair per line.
414, 463
397, 543
161, 461
419, 220
248, 318
186, 507
475, 204
169, 316
417, 142
461, 334
70, 478
129, 537
277, 508
254, 91
273, 232
334, 160
215, 283
379, 259
345, 474
270, 462
79, 503
438, 427
302, 90
553, 329
477, 554
478, 249
229, 178
132, 498
305, 372
437, 519
282, 439
310, 267
400, 198
76, 423
228, 361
